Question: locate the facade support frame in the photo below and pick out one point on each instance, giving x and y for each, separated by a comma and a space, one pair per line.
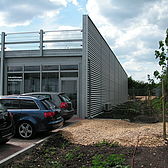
84, 89
2, 63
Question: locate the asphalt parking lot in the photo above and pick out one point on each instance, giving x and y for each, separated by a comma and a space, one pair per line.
16, 145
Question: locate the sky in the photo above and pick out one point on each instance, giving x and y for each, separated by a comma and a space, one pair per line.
132, 28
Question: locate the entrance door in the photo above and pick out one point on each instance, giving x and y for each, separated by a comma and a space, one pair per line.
70, 87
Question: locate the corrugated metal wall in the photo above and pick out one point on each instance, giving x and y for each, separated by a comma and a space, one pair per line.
107, 80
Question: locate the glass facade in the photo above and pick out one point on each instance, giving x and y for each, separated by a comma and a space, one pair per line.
50, 67
32, 68
15, 83
70, 88
69, 74
69, 67
23, 79
50, 81
31, 82
15, 68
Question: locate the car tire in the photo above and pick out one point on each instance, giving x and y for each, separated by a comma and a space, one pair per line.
26, 130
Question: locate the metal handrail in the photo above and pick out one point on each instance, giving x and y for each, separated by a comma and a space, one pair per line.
43, 37
21, 42
21, 33
63, 30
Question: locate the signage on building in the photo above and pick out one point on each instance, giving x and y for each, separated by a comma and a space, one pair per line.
14, 78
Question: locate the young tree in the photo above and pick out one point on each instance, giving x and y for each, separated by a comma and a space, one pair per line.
161, 54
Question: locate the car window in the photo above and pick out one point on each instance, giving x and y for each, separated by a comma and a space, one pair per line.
43, 95
28, 104
46, 96
56, 99
10, 103
64, 98
51, 104
1, 106
46, 104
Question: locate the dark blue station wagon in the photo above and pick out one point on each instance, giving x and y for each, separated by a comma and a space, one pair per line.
32, 115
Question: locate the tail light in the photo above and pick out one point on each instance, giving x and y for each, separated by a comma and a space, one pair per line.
49, 114
64, 105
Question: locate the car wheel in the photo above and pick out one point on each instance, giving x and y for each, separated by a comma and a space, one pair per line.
26, 130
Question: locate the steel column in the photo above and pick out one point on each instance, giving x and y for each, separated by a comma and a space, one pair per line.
41, 42
2, 63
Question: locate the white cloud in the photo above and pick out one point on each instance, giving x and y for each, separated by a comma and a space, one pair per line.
62, 2
132, 30
3, 22
139, 70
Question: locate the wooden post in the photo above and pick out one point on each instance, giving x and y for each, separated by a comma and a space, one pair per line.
163, 110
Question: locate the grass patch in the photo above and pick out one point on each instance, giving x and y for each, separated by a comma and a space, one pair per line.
106, 143
113, 160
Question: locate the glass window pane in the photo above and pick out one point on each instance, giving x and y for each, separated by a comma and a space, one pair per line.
69, 67
32, 68
70, 88
69, 74
50, 67
48, 104
50, 82
47, 107
15, 83
28, 104
14, 68
10, 104
56, 99
32, 82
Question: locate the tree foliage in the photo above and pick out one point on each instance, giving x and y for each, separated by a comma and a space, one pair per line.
161, 55
136, 84
140, 88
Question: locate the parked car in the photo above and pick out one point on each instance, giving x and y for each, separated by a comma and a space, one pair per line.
32, 115
61, 100
6, 125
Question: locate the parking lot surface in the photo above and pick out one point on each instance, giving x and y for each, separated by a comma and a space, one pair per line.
15, 144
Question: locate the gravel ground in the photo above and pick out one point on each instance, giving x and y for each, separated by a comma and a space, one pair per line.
141, 145
87, 132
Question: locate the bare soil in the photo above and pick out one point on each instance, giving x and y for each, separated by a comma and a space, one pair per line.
74, 146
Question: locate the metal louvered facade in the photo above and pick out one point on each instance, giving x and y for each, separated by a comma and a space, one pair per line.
105, 80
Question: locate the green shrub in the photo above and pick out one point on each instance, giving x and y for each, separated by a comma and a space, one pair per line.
157, 105
69, 156
105, 142
55, 164
113, 160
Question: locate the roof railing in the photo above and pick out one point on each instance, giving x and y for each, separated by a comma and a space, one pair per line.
58, 39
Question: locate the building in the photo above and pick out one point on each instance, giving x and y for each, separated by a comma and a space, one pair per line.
78, 62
